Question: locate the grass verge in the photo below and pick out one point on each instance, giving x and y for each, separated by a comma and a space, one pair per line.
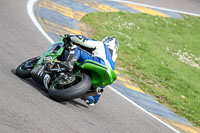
160, 55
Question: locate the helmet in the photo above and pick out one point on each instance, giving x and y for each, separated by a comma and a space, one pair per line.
111, 42
113, 46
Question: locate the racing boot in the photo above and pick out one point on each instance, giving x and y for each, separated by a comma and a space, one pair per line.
91, 100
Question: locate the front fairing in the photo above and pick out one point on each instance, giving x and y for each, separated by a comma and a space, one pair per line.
54, 51
101, 75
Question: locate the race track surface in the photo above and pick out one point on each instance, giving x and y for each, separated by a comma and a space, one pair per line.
24, 107
191, 6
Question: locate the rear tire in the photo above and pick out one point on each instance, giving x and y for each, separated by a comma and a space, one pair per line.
72, 92
25, 72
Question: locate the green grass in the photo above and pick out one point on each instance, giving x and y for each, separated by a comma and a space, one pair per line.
160, 55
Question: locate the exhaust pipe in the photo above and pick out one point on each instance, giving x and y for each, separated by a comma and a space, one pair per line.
97, 91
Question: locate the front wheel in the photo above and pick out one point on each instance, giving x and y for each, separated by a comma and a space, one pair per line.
24, 70
60, 92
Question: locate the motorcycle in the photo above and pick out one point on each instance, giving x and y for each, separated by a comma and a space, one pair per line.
84, 80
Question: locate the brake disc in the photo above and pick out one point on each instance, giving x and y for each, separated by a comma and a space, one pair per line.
67, 80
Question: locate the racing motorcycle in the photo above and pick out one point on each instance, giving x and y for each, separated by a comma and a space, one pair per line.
84, 80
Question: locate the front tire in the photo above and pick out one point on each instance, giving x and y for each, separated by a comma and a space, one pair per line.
24, 69
78, 89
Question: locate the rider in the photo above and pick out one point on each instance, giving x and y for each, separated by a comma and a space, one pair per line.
103, 52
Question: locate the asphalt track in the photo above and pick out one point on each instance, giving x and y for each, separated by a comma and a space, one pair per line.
191, 6
24, 107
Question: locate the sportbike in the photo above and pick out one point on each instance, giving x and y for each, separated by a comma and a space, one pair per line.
84, 80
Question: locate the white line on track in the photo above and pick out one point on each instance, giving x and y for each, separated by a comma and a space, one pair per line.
159, 8
30, 5
143, 109
32, 16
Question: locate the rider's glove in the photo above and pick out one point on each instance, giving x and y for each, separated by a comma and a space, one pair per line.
67, 38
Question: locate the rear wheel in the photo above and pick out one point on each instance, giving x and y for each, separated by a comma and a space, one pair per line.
24, 70
62, 91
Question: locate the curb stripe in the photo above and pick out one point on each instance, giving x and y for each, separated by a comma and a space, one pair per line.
128, 85
75, 5
98, 6
54, 36
119, 6
171, 14
62, 9
146, 10
159, 8
58, 18
133, 88
173, 129
181, 126
56, 28
102, 7
149, 103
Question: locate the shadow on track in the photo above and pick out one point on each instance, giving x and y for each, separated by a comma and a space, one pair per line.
44, 92
75, 103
